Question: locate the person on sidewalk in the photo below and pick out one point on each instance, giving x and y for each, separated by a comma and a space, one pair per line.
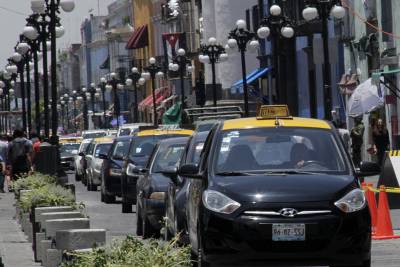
3, 156
380, 136
20, 154
2, 174
357, 135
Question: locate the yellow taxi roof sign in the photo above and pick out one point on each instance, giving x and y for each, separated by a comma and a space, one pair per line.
273, 112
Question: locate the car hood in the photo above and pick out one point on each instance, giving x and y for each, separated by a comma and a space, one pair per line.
284, 188
65, 155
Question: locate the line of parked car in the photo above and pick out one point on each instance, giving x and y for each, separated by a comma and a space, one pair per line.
274, 188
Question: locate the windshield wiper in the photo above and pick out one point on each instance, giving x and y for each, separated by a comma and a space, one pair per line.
289, 172
235, 174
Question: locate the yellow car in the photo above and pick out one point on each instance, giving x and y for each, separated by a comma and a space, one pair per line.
141, 147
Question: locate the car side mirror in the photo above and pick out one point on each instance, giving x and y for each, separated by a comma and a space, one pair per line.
190, 171
102, 156
143, 171
81, 154
368, 169
171, 173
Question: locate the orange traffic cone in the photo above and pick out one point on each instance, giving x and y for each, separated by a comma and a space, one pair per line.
370, 195
384, 229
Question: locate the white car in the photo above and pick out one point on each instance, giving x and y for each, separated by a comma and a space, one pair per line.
93, 134
129, 129
79, 170
94, 163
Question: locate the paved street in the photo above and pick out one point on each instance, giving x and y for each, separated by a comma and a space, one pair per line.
105, 216
109, 216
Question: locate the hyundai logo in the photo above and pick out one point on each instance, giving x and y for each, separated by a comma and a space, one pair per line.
288, 212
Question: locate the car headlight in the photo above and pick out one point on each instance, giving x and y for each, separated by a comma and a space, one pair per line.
218, 202
131, 170
157, 196
115, 172
352, 202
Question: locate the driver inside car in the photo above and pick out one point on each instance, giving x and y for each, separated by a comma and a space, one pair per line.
299, 155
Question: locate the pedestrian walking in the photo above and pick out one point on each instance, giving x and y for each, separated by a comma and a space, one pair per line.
380, 136
20, 154
3, 157
357, 134
2, 174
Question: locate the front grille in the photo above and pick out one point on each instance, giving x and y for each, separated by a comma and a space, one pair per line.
277, 213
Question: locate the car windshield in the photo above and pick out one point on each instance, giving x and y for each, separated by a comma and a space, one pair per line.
167, 156
84, 147
266, 150
120, 149
102, 149
143, 147
93, 135
69, 148
125, 132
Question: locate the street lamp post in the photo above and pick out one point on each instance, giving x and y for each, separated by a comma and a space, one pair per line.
32, 32
113, 85
323, 9
153, 71
84, 98
239, 38
134, 79
180, 63
50, 9
213, 53
92, 91
277, 25
74, 99
103, 83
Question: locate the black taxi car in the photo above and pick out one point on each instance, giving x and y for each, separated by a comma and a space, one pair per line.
277, 188
152, 187
141, 147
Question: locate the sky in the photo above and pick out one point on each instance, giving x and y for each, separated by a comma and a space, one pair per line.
14, 12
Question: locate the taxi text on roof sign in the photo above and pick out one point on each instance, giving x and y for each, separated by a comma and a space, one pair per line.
273, 112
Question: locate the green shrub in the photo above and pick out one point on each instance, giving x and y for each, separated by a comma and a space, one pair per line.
47, 195
131, 252
33, 181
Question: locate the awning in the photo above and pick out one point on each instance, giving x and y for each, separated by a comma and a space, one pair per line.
258, 73
161, 94
139, 38
172, 115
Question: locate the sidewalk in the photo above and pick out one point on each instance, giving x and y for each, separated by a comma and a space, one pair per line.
15, 249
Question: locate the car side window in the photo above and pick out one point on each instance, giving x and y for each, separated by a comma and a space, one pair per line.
206, 148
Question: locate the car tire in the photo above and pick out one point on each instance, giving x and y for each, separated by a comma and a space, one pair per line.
139, 223
148, 230
77, 177
108, 199
198, 258
126, 207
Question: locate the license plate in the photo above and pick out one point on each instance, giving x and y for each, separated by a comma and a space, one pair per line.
288, 232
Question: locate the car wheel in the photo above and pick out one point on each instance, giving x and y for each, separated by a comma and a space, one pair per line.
167, 235
126, 207
139, 223
198, 257
108, 199
77, 177
148, 230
